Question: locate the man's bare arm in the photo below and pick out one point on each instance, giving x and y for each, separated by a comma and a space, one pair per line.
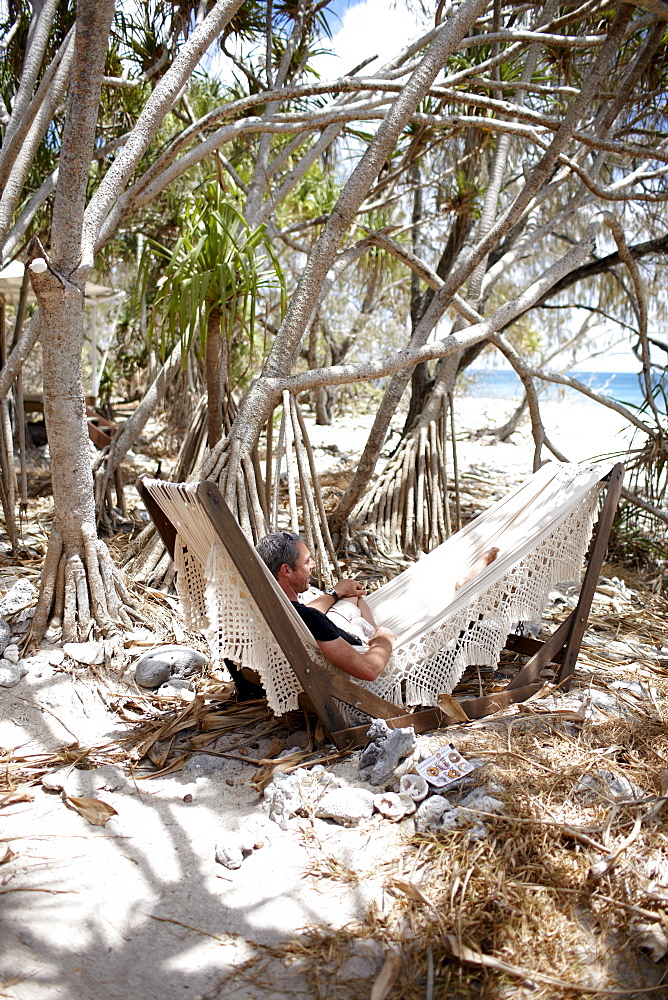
364, 666
344, 588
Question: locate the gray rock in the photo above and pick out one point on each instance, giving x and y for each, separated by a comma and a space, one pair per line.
12, 653
609, 785
158, 665
11, 673
430, 813
604, 700
365, 962
5, 635
633, 687
22, 622
20, 596
479, 801
176, 687
379, 760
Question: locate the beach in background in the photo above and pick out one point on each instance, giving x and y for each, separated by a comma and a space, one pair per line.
580, 428
498, 383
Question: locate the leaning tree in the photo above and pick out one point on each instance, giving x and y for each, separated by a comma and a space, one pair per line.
79, 581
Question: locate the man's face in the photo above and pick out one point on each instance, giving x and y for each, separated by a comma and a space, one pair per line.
299, 577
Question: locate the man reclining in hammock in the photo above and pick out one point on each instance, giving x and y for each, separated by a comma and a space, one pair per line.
340, 620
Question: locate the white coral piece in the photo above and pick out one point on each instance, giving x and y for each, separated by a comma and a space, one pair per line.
414, 785
346, 805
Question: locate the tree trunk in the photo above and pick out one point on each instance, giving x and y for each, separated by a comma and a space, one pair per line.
421, 379
213, 378
65, 410
323, 416
88, 574
395, 390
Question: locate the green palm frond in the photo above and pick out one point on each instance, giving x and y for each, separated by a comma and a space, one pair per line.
218, 262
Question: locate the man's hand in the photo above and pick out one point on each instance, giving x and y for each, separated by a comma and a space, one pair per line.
350, 588
365, 666
384, 635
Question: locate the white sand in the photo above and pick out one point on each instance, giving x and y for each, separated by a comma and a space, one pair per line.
582, 431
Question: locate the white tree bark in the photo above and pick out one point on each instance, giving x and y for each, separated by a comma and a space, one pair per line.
59, 289
158, 105
38, 37
17, 166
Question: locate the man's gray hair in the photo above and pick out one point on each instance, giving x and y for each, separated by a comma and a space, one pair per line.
277, 548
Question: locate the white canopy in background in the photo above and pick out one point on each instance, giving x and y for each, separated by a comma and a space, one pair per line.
11, 279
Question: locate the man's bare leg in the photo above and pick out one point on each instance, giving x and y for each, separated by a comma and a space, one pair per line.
481, 562
366, 611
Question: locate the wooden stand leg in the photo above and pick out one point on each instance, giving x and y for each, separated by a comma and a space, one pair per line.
583, 607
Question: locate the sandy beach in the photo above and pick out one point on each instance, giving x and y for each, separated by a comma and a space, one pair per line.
583, 431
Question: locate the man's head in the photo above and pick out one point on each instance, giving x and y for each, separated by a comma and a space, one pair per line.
288, 560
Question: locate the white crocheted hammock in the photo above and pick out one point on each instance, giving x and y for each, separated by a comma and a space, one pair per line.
542, 529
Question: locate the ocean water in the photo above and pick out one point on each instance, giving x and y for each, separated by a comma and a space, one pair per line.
504, 384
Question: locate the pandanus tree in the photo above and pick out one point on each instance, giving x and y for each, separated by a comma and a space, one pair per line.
410, 507
209, 293
557, 155
80, 584
401, 506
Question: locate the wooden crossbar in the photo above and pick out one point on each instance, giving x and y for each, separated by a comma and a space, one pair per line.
325, 689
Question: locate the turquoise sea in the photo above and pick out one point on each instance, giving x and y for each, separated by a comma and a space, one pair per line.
504, 384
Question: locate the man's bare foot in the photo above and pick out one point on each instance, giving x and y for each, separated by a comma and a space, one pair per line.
484, 560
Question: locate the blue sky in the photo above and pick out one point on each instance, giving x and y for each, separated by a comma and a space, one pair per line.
366, 27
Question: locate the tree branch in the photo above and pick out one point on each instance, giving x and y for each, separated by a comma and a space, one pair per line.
18, 168
159, 103
406, 359
38, 36
19, 355
90, 47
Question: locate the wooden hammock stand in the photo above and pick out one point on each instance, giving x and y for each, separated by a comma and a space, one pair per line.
324, 688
